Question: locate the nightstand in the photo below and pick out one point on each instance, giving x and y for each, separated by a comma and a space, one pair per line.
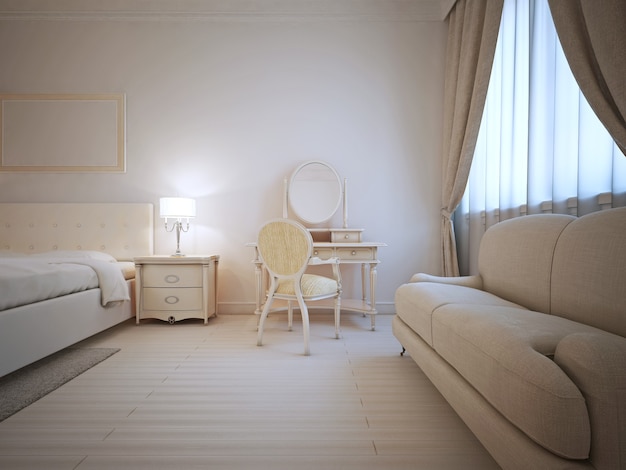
173, 288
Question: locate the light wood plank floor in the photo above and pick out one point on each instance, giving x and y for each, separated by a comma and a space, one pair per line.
189, 396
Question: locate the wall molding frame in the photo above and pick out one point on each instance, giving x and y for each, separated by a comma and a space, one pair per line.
62, 133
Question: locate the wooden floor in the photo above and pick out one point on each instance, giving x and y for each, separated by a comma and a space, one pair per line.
190, 396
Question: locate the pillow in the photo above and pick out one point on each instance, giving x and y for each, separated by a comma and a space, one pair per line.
83, 254
128, 269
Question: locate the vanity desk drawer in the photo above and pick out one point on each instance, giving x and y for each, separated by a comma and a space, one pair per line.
336, 235
323, 253
356, 254
345, 235
348, 252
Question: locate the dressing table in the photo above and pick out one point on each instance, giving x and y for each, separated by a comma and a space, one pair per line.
314, 193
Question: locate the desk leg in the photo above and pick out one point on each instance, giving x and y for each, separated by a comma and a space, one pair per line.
373, 276
138, 292
363, 285
205, 293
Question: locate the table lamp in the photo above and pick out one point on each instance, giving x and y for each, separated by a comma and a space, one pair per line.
177, 208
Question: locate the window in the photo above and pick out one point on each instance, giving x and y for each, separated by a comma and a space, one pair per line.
540, 147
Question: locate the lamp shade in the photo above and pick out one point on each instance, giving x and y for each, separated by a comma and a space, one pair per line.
177, 207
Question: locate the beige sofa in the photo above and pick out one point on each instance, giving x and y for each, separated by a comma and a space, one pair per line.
531, 353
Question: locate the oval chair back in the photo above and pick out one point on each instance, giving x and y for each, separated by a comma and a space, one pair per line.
285, 247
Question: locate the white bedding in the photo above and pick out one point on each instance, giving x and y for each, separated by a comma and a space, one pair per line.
25, 279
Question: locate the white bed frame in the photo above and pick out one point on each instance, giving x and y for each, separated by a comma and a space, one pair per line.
32, 332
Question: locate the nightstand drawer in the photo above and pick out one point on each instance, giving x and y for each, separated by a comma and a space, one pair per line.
172, 276
172, 299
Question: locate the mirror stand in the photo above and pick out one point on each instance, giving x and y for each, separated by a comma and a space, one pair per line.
344, 201
315, 193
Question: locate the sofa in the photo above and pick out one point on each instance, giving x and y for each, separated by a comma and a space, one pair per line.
531, 351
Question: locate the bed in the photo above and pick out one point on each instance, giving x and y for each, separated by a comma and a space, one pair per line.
78, 239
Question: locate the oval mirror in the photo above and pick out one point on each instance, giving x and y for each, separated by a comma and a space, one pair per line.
315, 192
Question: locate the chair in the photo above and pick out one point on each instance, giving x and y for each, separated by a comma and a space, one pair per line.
285, 248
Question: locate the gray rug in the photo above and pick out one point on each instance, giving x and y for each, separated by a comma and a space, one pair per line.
27, 385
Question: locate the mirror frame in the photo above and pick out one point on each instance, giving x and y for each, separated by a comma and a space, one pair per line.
294, 204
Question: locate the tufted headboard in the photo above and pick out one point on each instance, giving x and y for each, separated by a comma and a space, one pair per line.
119, 229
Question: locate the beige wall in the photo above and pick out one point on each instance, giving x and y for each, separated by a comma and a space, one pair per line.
223, 108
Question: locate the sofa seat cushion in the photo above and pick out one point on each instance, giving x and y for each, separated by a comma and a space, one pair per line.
416, 301
506, 355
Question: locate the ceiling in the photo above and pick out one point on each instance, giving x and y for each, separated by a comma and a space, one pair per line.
399, 10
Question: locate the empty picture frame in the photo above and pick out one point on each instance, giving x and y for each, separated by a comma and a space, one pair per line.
62, 133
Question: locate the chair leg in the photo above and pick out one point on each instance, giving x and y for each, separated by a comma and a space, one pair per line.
305, 323
337, 316
290, 315
264, 314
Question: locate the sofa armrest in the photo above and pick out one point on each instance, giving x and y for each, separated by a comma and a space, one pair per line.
596, 363
474, 282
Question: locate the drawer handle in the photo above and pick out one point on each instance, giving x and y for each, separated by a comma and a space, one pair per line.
171, 299
316, 253
172, 278
353, 252
346, 236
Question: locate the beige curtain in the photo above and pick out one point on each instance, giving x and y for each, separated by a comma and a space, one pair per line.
593, 36
472, 36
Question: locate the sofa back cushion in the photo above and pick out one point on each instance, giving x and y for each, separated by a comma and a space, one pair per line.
515, 258
589, 272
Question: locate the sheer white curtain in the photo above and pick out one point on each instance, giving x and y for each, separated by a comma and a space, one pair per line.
540, 146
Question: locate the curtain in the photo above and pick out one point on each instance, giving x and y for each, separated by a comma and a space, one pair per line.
593, 37
472, 36
540, 147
